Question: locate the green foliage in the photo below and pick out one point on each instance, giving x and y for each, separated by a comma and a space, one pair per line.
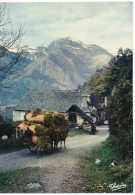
120, 67
6, 128
115, 81
98, 85
1, 119
100, 176
120, 103
10, 145
16, 181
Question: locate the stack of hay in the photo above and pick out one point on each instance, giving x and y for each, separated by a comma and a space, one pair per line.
45, 127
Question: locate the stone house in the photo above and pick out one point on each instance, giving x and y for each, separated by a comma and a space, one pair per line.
96, 107
72, 103
79, 118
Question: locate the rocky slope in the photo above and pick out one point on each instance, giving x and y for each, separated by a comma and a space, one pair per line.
64, 64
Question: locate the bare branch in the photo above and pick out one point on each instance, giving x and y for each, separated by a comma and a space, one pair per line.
4, 15
9, 39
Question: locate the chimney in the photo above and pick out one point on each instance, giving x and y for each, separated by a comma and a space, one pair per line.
85, 99
105, 101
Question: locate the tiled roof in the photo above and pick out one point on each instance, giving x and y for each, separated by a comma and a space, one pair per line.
57, 100
96, 102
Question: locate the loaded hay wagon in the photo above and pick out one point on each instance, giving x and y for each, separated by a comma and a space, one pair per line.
42, 129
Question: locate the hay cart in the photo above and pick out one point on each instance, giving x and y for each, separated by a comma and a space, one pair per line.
32, 142
42, 130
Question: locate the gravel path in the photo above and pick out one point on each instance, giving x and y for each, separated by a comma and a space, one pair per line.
60, 172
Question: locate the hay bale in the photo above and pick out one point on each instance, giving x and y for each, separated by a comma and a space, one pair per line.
47, 117
33, 116
29, 123
41, 130
34, 139
32, 128
38, 119
28, 111
37, 112
22, 126
44, 142
28, 116
47, 126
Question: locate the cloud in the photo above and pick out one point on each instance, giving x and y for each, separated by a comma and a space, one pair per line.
106, 24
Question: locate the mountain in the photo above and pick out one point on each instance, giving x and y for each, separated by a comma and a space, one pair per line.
63, 64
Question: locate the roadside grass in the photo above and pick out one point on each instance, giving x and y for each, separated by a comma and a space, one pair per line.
16, 181
101, 175
74, 132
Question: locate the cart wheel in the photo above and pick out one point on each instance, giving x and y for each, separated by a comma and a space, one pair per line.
49, 150
32, 147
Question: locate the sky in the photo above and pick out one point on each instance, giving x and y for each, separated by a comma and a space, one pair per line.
107, 24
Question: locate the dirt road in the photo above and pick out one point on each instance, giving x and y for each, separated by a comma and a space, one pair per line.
60, 168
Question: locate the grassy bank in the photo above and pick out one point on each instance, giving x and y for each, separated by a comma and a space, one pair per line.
103, 168
74, 132
16, 181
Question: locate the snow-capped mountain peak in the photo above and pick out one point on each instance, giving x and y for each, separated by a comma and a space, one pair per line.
63, 64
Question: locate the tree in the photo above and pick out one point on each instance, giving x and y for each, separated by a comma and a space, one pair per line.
120, 105
120, 67
115, 81
98, 85
9, 40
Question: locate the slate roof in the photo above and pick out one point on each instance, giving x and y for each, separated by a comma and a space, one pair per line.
96, 102
85, 116
57, 100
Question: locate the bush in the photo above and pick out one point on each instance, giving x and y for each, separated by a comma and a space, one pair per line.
10, 145
6, 128
120, 118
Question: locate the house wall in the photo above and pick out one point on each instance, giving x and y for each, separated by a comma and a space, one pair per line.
79, 119
66, 115
18, 115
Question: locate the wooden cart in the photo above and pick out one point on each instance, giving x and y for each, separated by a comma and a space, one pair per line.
26, 137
